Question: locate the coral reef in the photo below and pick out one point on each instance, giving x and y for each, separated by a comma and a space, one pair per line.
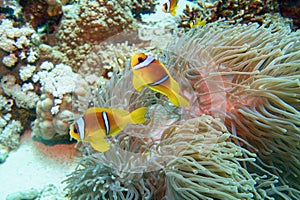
48, 192
112, 58
24, 98
139, 7
43, 15
59, 84
256, 70
19, 55
28, 194
240, 138
18, 46
89, 22
291, 9
228, 10
10, 9
10, 129
10, 135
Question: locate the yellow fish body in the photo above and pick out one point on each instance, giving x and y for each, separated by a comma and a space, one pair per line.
197, 22
149, 72
170, 7
97, 123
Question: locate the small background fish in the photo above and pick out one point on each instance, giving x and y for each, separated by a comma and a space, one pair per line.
170, 7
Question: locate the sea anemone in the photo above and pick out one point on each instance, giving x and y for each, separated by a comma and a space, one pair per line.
118, 173
175, 155
253, 72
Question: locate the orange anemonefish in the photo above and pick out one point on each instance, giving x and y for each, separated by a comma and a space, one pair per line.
197, 22
170, 7
97, 123
149, 72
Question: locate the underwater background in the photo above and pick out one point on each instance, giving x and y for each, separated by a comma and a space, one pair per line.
237, 63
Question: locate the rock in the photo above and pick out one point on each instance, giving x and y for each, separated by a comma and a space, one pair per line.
29, 194
3, 153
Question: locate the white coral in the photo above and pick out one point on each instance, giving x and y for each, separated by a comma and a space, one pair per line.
22, 42
55, 109
59, 81
46, 66
26, 72
32, 56
10, 135
27, 87
23, 99
10, 60
13, 39
5, 104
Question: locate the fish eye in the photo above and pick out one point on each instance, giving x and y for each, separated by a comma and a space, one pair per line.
140, 59
75, 129
165, 7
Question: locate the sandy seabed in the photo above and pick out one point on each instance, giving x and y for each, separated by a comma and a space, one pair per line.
35, 165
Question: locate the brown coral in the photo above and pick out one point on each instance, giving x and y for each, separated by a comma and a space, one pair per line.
139, 7
232, 11
89, 22
42, 13
291, 9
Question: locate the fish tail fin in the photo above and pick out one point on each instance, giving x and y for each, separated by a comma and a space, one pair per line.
138, 116
100, 145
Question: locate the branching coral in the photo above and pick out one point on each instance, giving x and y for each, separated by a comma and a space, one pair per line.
18, 44
228, 10
10, 129
18, 51
257, 71
23, 99
45, 14
142, 7
55, 110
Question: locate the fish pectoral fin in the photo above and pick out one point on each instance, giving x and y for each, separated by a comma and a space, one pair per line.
175, 86
173, 96
138, 83
181, 100
100, 144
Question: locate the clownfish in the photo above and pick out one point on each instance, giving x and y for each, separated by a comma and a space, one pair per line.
97, 123
170, 7
149, 72
197, 22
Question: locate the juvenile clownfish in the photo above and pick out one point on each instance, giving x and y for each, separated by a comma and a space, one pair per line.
97, 123
170, 7
149, 72
197, 22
